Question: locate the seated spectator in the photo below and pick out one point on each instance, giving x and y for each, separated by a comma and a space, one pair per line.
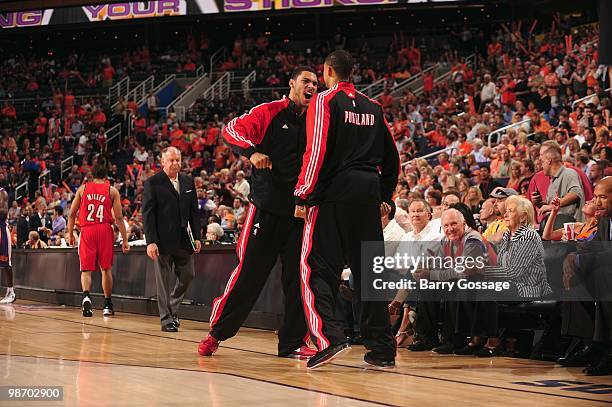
214, 232
58, 222
473, 199
34, 241
520, 258
583, 231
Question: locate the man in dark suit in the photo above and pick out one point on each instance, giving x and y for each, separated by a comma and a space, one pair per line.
595, 264
40, 222
23, 226
172, 232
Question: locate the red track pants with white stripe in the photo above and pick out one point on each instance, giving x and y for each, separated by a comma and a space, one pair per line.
332, 238
265, 237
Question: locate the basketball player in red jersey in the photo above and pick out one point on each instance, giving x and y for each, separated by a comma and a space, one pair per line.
96, 202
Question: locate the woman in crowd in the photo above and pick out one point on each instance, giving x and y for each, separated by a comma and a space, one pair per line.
515, 176
583, 231
473, 199
520, 261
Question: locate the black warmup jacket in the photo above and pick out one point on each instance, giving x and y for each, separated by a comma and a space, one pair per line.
350, 153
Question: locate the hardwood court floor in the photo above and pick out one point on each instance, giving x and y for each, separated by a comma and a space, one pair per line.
127, 360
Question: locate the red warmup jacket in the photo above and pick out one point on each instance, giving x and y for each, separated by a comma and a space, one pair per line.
277, 130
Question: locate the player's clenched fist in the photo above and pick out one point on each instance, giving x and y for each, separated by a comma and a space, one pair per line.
152, 251
261, 161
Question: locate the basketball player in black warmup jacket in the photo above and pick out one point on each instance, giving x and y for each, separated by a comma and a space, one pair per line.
349, 171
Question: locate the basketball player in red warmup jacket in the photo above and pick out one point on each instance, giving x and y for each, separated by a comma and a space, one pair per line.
96, 201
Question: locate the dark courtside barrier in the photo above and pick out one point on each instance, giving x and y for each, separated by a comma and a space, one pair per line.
52, 275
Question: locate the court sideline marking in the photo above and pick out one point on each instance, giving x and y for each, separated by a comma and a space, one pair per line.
333, 363
204, 371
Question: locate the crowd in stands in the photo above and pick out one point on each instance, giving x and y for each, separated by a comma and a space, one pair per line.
554, 156
522, 74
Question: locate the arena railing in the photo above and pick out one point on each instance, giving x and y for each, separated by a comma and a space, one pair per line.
398, 89
219, 55
41, 178
113, 133
66, 165
503, 129
220, 89
588, 97
118, 90
140, 92
180, 113
375, 88
21, 191
185, 96
246, 83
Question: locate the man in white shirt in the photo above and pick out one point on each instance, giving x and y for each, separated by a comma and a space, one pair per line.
82, 147
141, 154
242, 185
448, 198
488, 91
420, 214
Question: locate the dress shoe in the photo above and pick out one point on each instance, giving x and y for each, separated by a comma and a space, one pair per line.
169, 327
382, 363
603, 367
422, 346
468, 350
447, 348
486, 352
582, 357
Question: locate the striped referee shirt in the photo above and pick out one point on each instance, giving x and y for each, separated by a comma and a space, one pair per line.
520, 260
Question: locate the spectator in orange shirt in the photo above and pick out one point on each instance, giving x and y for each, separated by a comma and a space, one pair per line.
212, 134
189, 66
108, 73
386, 100
465, 147
99, 118
9, 111
539, 124
69, 102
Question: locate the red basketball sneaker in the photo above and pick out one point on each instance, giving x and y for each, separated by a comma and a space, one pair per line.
302, 353
208, 346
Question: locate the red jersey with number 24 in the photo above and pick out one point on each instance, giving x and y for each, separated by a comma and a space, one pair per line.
96, 207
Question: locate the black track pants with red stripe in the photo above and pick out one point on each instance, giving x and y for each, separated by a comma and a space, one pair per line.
332, 238
265, 237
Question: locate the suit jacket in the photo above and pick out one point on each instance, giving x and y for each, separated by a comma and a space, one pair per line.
165, 213
23, 229
599, 253
35, 223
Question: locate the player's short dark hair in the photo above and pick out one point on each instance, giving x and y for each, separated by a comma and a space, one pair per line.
297, 71
342, 62
100, 170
